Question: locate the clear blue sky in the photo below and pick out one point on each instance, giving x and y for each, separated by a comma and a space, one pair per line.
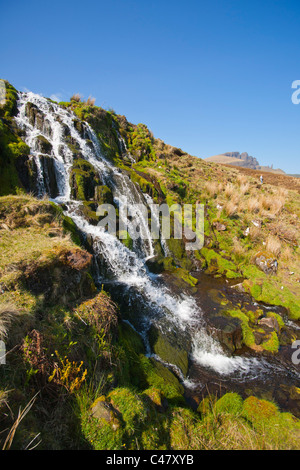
207, 76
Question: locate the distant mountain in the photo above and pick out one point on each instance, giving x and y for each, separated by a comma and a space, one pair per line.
241, 159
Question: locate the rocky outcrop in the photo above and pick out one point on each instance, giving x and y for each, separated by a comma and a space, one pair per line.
267, 262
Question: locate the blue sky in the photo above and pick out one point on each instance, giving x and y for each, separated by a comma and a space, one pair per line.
207, 76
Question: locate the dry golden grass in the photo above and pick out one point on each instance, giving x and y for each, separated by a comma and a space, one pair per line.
212, 188
241, 180
237, 248
231, 207
76, 97
255, 233
273, 245
253, 205
287, 253
91, 101
244, 188
230, 190
271, 203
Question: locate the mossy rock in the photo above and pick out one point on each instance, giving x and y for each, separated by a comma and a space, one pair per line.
43, 145
216, 264
89, 210
231, 403
9, 108
103, 195
266, 262
258, 411
229, 331
104, 412
70, 226
84, 178
168, 378
248, 334
168, 350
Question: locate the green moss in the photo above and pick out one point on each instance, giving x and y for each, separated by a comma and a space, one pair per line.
130, 406
12, 149
140, 371
248, 336
103, 195
9, 108
167, 351
270, 291
259, 411
216, 264
272, 344
231, 403
140, 143
83, 179
71, 227
184, 275
126, 239
145, 185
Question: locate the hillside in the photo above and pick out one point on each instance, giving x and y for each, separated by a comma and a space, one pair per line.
117, 343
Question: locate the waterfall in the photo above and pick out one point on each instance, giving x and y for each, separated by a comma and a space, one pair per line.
126, 269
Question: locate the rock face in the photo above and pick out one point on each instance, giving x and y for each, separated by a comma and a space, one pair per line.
266, 262
246, 160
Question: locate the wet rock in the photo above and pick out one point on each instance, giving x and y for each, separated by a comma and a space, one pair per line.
49, 171
43, 145
239, 287
155, 264
27, 171
269, 324
83, 180
289, 398
229, 331
79, 127
103, 195
168, 349
266, 262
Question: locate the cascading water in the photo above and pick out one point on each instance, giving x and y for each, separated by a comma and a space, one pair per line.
125, 268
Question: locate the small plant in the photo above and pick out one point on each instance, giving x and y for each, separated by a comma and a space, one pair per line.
230, 190
91, 101
68, 374
76, 97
